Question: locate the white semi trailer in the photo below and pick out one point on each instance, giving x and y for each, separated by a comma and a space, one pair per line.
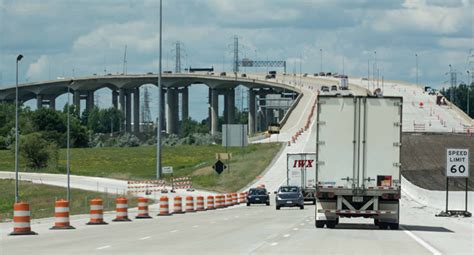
301, 172
358, 159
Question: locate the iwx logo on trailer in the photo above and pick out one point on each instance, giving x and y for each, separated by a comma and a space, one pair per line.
303, 163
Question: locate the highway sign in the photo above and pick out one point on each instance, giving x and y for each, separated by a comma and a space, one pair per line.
167, 169
457, 163
219, 166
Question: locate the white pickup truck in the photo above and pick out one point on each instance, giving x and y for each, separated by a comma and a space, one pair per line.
358, 159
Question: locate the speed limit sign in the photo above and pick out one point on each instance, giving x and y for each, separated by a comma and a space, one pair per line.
457, 163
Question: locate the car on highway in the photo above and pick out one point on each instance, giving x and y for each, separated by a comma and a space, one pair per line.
289, 196
324, 89
244, 75
223, 74
334, 88
322, 74
258, 196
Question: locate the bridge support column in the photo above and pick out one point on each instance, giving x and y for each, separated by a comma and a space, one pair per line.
163, 110
115, 99
209, 113
39, 101
77, 101
270, 116
136, 110
90, 100
263, 118
172, 113
122, 108
184, 103
52, 102
128, 111
230, 103
214, 111
251, 116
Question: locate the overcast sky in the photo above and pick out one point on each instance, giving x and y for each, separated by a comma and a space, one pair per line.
88, 36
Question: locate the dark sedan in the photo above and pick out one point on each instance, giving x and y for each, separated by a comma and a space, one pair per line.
289, 196
258, 196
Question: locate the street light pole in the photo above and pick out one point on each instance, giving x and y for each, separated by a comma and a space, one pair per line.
416, 60
321, 58
68, 166
17, 142
468, 88
158, 124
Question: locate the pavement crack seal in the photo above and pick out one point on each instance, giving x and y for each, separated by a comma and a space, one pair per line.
420, 241
103, 247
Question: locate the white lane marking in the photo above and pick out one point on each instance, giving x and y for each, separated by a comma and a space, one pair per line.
295, 228
287, 235
302, 224
195, 226
174, 231
103, 247
146, 237
237, 216
421, 242
273, 244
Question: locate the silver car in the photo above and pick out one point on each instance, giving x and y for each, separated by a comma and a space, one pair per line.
289, 196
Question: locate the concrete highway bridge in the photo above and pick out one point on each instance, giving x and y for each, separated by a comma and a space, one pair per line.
125, 91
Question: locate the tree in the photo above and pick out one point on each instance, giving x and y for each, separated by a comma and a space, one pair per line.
37, 151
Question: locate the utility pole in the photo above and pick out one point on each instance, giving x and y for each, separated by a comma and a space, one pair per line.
368, 74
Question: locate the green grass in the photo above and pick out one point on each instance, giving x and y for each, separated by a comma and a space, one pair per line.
42, 197
138, 163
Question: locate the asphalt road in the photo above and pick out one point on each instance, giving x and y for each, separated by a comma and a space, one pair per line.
256, 229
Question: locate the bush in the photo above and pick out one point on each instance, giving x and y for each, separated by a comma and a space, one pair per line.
128, 140
38, 152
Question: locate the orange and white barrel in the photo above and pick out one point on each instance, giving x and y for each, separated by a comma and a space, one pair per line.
242, 198
121, 209
96, 212
217, 201
235, 201
143, 208
228, 200
61, 215
190, 204
200, 203
21, 219
178, 205
210, 203
164, 206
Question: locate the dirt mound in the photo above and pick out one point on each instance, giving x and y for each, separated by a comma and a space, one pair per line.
424, 159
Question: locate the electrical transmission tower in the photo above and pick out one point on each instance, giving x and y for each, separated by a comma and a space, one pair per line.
236, 54
146, 115
178, 57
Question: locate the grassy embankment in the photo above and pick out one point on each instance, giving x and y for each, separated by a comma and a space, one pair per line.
42, 197
139, 163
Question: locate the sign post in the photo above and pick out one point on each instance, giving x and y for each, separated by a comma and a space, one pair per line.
457, 166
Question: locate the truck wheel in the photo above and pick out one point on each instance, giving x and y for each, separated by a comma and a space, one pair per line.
320, 223
268, 203
394, 226
314, 201
301, 207
277, 207
331, 224
376, 222
248, 204
383, 225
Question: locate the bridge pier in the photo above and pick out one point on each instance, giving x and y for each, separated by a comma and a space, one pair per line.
184, 103
90, 100
230, 105
122, 108
172, 111
251, 115
115, 99
128, 111
136, 110
263, 118
214, 111
39, 101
